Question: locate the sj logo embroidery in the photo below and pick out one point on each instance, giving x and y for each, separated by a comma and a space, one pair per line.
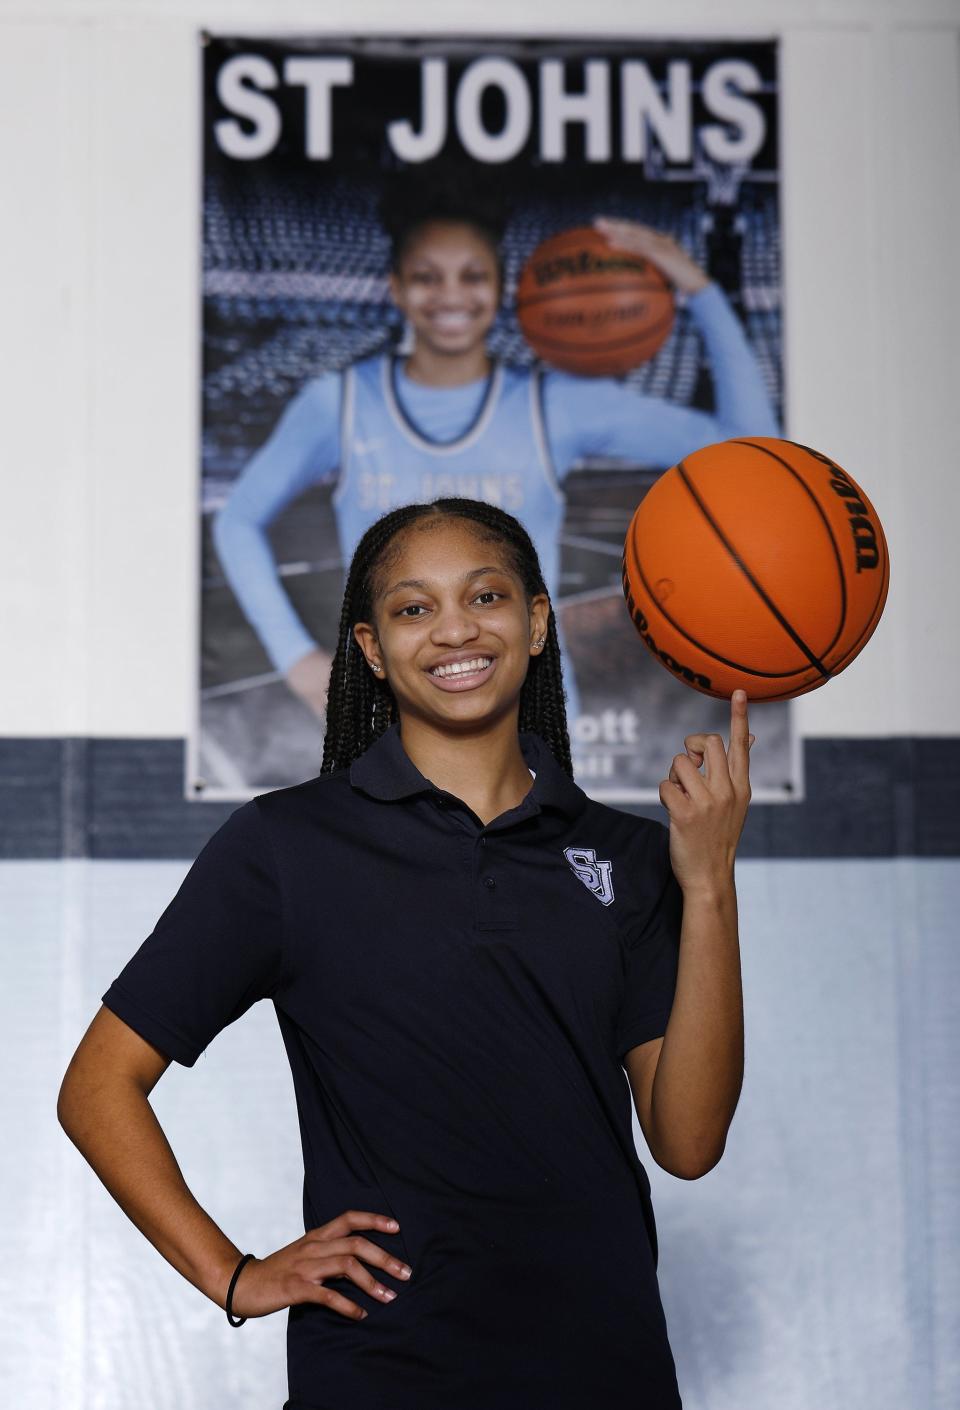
596, 876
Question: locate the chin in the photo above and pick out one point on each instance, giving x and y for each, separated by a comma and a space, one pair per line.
463, 341
452, 346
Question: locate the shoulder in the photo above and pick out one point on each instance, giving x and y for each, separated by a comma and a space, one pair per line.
322, 390
324, 792
235, 858
640, 844
313, 406
293, 822
370, 368
633, 829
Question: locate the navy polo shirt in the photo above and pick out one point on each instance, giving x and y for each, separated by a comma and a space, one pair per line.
455, 1001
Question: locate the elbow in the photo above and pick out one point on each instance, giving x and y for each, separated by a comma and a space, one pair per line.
66, 1105
228, 521
79, 1097
685, 1147
765, 425
691, 1165
236, 534
227, 534
697, 1170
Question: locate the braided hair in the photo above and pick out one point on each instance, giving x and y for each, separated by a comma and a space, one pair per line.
361, 707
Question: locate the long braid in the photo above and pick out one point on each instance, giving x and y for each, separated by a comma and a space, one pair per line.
361, 707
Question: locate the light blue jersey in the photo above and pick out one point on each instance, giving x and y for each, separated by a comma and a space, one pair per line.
383, 440
500, 457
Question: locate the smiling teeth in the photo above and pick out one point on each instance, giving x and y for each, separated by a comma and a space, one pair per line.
462, 668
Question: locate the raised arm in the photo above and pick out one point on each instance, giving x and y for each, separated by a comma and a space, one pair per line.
303, 450
599, 416
686, 1099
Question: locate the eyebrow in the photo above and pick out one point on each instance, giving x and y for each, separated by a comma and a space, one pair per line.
419, 583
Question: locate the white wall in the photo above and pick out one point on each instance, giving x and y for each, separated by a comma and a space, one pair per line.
99, 145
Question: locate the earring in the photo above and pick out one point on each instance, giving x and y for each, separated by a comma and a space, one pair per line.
540, 642
374, 666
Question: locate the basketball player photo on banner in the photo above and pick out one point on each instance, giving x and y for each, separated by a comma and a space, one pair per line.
535, 273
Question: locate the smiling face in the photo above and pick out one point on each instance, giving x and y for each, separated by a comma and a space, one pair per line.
447, 285
449, 596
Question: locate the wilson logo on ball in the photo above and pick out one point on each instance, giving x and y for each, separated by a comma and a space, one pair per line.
548, 271
864, 534
642, 626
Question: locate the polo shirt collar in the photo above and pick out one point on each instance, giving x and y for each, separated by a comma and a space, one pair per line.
385, 770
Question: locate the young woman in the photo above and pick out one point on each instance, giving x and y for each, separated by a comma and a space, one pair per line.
464, 952
449, 419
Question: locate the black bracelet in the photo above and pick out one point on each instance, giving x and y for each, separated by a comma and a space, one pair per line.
233, 1283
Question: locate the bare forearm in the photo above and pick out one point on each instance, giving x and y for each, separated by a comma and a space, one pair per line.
117, 1132
700, 1070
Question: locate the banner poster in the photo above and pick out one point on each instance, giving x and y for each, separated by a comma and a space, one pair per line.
339, 176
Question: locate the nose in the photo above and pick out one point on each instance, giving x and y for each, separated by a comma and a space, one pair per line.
451, 294
453, 626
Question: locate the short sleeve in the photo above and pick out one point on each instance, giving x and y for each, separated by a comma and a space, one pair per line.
653, 953
215, 950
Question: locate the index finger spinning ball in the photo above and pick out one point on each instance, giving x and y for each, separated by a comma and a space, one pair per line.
757, 564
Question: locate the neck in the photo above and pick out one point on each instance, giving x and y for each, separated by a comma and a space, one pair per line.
447, 369
481, 764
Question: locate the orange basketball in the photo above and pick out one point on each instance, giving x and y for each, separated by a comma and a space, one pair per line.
587, 307
755, 563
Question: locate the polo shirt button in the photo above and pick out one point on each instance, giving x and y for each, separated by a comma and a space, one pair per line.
489, 881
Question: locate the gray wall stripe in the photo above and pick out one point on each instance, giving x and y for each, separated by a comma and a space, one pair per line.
123, 798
